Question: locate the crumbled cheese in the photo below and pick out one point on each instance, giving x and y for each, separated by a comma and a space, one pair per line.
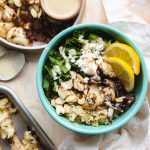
55, 77
99, 60
90, 53
72, 52
87, 66
72, 55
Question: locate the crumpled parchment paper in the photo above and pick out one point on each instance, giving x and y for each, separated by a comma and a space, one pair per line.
127, 10
130, 137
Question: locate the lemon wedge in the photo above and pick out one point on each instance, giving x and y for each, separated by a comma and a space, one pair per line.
126, 53
123, 71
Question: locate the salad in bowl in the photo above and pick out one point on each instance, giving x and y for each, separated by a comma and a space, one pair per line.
89, 79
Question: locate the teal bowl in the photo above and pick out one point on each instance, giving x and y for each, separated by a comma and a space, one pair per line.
140, 89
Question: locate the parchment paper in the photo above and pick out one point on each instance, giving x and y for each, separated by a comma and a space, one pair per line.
25, 87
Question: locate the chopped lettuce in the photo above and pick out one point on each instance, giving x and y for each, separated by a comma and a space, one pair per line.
48, 79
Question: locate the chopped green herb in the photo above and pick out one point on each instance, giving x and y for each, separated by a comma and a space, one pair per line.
93, 37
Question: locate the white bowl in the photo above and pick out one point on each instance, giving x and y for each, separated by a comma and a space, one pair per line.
37, 47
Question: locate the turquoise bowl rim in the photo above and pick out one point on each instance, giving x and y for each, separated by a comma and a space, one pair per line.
46, 103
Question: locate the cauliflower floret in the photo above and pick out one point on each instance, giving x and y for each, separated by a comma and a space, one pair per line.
60, 109
4, 103
8, 14
78, 85
63, 93
16, 144
59, 101
109, 92
94, 98
17, 35
81, 100
2, 3
29, 142
67, 84
4, 28
7, 128
33, 1
72, 116
67, 108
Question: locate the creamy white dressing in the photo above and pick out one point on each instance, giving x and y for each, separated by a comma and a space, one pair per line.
61, 9
62, 52
57, 69
55, 77
67, 65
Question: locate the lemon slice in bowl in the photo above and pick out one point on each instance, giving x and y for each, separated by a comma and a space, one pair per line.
126, 53
123, 71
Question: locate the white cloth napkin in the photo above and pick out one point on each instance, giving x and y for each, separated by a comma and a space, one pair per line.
133, 135
127, 10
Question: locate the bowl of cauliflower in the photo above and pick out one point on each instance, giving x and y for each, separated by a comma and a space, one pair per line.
24, 25
87, 79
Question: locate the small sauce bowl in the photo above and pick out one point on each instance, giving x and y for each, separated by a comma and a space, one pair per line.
63, 10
